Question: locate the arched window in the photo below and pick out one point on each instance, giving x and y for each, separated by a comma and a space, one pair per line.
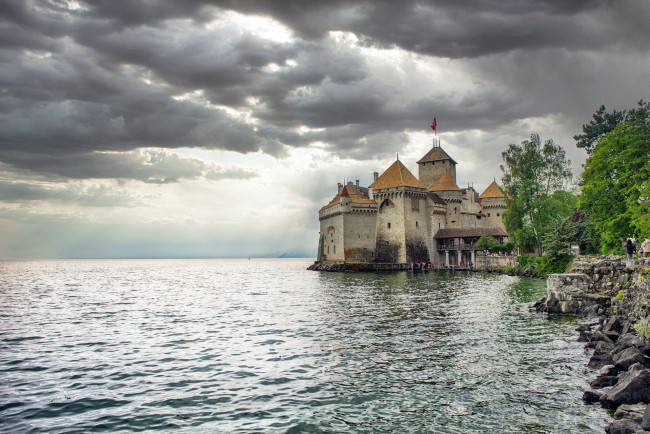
386, 204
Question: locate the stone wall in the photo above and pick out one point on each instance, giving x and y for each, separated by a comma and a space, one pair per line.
494, 263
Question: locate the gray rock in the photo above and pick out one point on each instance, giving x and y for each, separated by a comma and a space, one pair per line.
632, 388
591, 396
603, 381
632, 412
626, 358
613, 324
645, 422
597, 361
603, 347
600, 336
622, 426
608, 370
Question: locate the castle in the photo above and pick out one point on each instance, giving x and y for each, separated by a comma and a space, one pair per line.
400, 218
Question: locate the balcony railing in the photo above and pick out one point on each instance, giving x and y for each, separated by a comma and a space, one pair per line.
456, 246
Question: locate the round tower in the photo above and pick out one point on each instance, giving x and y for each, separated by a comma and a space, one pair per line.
345, 200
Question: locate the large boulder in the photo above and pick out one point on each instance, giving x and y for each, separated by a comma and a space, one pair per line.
645, 422
632, 412
622, 426
603, 381
627, 357
597, 361
632, 388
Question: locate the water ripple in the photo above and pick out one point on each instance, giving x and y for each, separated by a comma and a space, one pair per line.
266, 346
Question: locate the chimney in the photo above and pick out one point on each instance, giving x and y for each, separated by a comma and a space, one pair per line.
357, 184
340, 186
375, 175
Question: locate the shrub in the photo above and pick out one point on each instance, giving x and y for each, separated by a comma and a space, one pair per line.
642, 327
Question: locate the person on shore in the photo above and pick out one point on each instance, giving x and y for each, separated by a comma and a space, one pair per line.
629, 249
646, 248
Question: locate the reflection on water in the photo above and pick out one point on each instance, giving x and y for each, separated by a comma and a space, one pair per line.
270, 347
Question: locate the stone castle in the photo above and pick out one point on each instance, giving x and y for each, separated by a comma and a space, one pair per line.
400, 218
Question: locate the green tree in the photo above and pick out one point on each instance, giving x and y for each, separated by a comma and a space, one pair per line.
604, 122
597, 129
557, 241
486, 243
615, 183
535, 179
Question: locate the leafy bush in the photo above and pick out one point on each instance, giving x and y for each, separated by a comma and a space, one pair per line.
486, 243
523, 261
502, 248
642, 327
543, 265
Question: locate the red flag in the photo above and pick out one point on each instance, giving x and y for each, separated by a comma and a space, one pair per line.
434, 124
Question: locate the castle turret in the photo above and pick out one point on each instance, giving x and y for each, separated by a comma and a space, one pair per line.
447, 190
493, 202
434, 164
345, 200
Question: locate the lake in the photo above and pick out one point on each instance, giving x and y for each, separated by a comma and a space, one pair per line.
267, 346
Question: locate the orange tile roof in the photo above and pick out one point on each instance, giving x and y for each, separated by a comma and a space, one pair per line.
444, 183
362, 201
331, 204
492, 190
344, 192
397, 175
436, 154
352, 200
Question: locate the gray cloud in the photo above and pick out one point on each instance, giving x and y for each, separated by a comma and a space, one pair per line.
109, 76
94, 195
149, 166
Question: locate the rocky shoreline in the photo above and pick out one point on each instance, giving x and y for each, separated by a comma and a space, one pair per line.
611, 296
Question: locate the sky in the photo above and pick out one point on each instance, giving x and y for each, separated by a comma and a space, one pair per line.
197, 128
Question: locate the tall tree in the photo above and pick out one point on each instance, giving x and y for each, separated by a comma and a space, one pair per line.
604, 122
615, 182
535, 177
595, 130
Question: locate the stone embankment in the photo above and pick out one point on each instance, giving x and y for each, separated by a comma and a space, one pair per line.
327, 266
613, 297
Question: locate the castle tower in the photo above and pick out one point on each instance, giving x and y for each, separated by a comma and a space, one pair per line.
493, 202
434, 164
447, 190
401, 217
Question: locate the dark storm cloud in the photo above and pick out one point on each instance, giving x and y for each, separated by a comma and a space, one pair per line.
119, 76
462, 29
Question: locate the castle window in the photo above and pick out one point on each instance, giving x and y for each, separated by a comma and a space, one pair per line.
388, 225
416, 224
439, 225
488, 214
497, 214
328, 250
335, 250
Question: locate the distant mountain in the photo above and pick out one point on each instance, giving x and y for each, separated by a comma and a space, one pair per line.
299, 253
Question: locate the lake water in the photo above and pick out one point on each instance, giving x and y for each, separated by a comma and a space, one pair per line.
267, 346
